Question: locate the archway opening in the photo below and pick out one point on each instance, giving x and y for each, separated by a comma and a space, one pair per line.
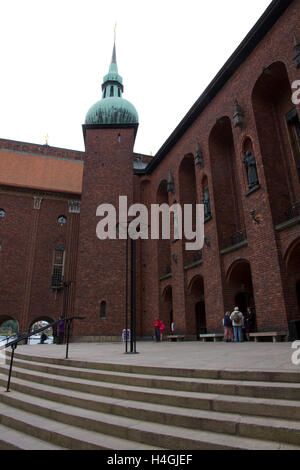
293, 280
197, 297
9, 328
164, 248
46, 336
228, 206
241, 287
273, 110
188, 195
166, 311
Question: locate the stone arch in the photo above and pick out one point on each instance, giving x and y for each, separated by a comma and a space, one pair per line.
272, 106
4, 318
166, 310
196, 313
164, 246
227, 197
44, 318
292, 263
239, 287
187, 195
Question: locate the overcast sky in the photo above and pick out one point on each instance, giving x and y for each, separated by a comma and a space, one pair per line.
54, 54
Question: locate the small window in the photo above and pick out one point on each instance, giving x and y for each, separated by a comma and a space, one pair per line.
104, 94
58, 267
119, 93
111, 91
2, 213
103, 309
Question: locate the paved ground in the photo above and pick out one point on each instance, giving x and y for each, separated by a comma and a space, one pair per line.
190, 355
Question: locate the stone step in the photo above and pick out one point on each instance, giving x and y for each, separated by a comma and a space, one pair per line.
274, 390
240, 375
285, 409
227, 423
16, 440
73, 427
32, 430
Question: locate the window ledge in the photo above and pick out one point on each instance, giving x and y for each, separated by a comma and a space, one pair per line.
193, 265
166, 276
287, 224
234, 247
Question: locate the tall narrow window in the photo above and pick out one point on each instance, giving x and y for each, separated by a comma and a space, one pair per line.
111, 91
103, 309
294, 130
58, 267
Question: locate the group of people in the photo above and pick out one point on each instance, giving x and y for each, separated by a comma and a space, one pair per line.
159, 328
238, 326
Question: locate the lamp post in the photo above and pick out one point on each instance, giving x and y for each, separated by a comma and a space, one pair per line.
131, 321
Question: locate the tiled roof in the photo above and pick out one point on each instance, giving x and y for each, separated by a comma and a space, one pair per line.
44, 172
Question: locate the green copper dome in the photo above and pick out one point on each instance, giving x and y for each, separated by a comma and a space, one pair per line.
112, 108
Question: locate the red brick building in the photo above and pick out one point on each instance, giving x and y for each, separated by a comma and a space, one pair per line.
237, 149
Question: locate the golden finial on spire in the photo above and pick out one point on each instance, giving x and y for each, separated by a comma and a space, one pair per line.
47, 139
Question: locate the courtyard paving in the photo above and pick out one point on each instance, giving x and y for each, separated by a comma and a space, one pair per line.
187, 355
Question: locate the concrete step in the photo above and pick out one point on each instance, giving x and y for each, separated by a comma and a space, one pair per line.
204, 420
32, 429
274, 390
285, 409
78, 428
240, 375
16, 440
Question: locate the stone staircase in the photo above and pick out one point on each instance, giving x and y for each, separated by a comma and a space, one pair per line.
66, 404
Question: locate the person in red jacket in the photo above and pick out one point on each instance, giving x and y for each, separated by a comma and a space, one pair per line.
156, 325
161, 329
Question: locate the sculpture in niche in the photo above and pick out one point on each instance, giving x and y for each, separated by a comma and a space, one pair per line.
238, 116
199, 160
171, 184
250, 164
206, 202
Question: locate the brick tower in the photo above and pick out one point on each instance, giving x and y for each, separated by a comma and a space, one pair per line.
109, 133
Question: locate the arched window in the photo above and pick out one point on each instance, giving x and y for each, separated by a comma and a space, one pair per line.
103, 309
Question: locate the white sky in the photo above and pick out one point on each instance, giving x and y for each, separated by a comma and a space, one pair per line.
54, 54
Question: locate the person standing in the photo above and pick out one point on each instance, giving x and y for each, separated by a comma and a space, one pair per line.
237, 319
156, 325
161, 330
250, 319
61, 330
227, 323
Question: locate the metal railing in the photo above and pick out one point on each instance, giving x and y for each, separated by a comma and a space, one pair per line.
23, 336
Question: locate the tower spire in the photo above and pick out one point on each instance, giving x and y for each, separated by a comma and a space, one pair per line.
114, 55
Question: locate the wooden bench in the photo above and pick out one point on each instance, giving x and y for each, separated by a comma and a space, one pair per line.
275, 335
175, 338
214, 336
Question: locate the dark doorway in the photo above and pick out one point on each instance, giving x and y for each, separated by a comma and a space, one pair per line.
200, 319
298, 294
243, 300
